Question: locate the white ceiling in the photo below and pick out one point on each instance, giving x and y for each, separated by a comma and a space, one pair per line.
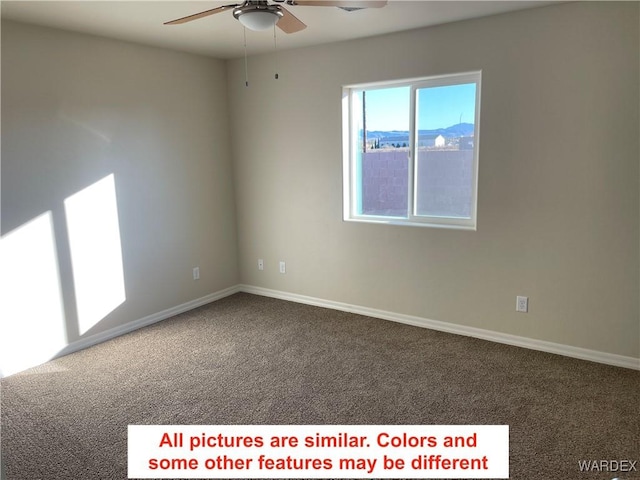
221, 36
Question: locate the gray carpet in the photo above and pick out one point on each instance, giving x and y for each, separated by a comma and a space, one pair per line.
254, 360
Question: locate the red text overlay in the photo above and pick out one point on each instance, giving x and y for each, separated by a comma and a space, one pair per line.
318, 451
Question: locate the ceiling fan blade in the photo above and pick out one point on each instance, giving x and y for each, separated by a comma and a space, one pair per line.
289, 23
196, 16
342, 3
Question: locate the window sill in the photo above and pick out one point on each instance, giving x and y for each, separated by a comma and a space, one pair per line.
402, 222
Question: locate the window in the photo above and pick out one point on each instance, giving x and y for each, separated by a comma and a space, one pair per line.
411, 151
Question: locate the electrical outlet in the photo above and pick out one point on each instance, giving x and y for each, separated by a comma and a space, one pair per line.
522, 304
196, 273
260, 264
283, 267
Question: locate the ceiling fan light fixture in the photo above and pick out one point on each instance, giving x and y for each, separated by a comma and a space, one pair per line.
258, 17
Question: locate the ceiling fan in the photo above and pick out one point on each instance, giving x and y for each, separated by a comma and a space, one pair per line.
262, 15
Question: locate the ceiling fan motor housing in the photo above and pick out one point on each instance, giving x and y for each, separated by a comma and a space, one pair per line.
258, 15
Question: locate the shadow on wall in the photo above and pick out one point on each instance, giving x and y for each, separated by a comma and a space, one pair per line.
35, 326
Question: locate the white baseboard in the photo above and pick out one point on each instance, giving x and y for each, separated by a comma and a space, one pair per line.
92, 340
541, 345
505, 338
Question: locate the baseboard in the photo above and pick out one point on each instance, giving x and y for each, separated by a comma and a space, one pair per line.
91, 340
524, 342
541, 345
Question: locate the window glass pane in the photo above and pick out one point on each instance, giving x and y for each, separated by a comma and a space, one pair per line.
445, 150
382, 153
411, 151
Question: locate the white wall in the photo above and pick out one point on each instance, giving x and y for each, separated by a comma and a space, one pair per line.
77, 109
558, 207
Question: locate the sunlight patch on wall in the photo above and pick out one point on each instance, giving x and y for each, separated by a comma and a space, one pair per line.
32, 329
96, 252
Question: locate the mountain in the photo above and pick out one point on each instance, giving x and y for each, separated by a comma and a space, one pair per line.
454, 131
459, 130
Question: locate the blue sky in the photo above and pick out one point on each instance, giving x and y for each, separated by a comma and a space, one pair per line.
440, 107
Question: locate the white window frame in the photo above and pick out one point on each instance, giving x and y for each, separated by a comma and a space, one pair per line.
350, 145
